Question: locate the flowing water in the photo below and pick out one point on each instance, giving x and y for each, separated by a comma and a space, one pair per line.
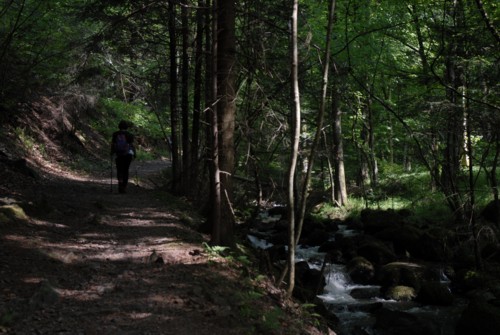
355, 315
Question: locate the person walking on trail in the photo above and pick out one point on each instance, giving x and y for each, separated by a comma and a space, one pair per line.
122, 145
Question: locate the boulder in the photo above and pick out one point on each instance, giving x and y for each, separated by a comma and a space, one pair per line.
333, 251
376, 252
360, 270
400, 293
405, 238
365, 293
491, 211
278, 211
479, 317
435, 293
12, 212
307, 281
348, 244
389, 322
315, 238
279, 238
491, 252
401, 273
376, 220
432, 245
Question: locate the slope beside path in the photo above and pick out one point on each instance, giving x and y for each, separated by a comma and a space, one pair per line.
88, 261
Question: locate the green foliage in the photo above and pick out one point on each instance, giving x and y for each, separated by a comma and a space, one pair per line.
271, 320
40, 42
474, 279
26, 140
214, 251
237, 257
268, 320
144, 124
144, 121
308, 312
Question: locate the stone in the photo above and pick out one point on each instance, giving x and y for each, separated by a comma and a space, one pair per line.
435, 293
479, 318
376, 220
360, 270
401, 273
11, 213
389, 322
400, 293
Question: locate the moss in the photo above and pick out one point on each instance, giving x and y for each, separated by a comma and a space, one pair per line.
400, 293
12, 212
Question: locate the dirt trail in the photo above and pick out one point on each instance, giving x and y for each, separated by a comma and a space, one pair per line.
88, 261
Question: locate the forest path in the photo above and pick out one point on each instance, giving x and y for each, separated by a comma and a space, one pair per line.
88, 261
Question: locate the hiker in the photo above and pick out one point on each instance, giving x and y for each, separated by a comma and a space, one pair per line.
122, 145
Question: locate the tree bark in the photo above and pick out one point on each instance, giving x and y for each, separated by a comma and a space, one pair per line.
340, 187
198, 84
186, 155
319, 124
213, 136
226, 112
295, 126
454, 117
174, 113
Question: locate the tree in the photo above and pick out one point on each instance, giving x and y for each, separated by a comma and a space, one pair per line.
339, 188
186, 147
295, 138
223, 229
174, 111
201, 13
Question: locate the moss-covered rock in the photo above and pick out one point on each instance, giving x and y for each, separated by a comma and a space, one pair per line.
12, 212
360, 270
400, 293
401, 273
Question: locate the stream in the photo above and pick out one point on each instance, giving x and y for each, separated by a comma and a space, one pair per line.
354, 306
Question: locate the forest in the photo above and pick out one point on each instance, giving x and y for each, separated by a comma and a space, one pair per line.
330, 110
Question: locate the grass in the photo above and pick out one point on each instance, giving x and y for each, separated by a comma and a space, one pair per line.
403, 190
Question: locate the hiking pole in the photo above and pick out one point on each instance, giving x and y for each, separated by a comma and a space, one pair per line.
111, 169
136, 175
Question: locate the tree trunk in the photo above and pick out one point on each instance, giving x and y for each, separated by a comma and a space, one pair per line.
226, 112
319, 124
294, 149
372, 159
198, 84
174, 113
492, 176
213, 138
367, 166
340, 187
470, 207
455, 131
186, 155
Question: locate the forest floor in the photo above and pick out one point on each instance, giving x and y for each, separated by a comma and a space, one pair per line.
87, 260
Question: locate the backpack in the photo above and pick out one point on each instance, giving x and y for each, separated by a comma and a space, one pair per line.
122, 146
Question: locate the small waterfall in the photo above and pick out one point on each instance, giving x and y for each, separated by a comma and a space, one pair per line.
351, 312
354, 305
338, 286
